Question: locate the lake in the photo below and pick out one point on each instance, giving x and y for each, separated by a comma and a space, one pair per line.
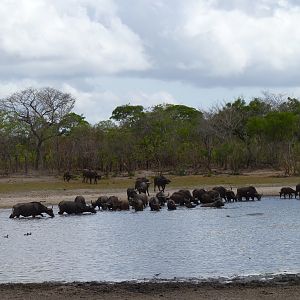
244, 238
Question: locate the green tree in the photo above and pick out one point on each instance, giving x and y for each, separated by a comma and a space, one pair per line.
41, 112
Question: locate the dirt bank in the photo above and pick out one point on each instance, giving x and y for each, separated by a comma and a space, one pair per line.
287, 290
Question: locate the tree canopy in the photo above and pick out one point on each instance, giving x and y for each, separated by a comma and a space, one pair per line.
39, 129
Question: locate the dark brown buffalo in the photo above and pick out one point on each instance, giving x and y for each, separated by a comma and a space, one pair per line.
142, 185
137, 204
71, 207
80, 200
114, 203
189, 196
179, 198
89, 176
154, 204
130, 193
287, 191
67, 176
221, 190
209, 197
171, 205
162, 197
30, 209
230, 196
142, 197
197, 193
161, 182
101, 202
248, 192
298, 189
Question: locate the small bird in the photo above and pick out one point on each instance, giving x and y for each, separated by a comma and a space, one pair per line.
157, 274
6, 236
28, 233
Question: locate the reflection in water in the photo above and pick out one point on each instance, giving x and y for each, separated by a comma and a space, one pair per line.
244, 238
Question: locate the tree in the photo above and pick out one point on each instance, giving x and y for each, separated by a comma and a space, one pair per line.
127, 114
41, 111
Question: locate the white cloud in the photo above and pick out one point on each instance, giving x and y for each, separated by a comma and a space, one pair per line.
98, 105
232, 42
70, 38
111, 52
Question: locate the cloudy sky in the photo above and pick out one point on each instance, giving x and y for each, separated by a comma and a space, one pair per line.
113, 52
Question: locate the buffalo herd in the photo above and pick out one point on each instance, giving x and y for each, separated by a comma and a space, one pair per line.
138, 198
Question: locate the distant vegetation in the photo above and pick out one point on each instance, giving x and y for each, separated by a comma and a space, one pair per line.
38, 130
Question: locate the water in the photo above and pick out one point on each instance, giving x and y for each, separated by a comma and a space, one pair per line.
261, 237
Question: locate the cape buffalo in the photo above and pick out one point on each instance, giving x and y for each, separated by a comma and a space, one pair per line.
247, 193
180, 198
197, 193
137, 204
287, 191
71, 207
89, 175
30, 209
298, 189
101, 202
171, 205
142, 197
67, 176
114, 203
209, 197
230, 196
221, 190
154, 204
189, 196
161, 182
80, 201
142, 185
130, 193
162, 198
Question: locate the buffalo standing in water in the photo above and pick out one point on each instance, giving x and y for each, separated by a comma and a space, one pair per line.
72, 207
287, 191
101, 202
30, 209
142, 185
154, 204
247, 192
298, 189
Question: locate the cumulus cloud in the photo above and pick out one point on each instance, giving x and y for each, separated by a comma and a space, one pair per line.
66, 38
221, 43
98, 105
197, 44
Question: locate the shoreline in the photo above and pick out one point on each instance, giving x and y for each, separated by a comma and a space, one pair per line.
285, 286
53, 197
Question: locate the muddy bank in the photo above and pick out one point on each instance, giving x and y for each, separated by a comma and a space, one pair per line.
283, 287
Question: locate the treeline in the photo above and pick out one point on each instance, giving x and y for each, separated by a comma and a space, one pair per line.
38, 130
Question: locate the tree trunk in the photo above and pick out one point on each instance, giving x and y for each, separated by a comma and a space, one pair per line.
38, 155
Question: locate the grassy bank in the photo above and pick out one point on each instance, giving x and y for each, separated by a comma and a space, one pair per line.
20, 184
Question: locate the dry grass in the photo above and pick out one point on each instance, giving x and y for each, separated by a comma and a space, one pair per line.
19, 184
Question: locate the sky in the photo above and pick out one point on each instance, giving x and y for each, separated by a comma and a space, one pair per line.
107, 53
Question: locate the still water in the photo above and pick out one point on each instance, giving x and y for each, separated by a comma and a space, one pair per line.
261, 237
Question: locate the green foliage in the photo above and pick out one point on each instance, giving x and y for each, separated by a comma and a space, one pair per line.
127, 114
275, 126
237, 135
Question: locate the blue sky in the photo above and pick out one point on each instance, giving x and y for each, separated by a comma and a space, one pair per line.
113, 52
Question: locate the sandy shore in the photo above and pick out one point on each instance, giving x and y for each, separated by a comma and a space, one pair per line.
283, 289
